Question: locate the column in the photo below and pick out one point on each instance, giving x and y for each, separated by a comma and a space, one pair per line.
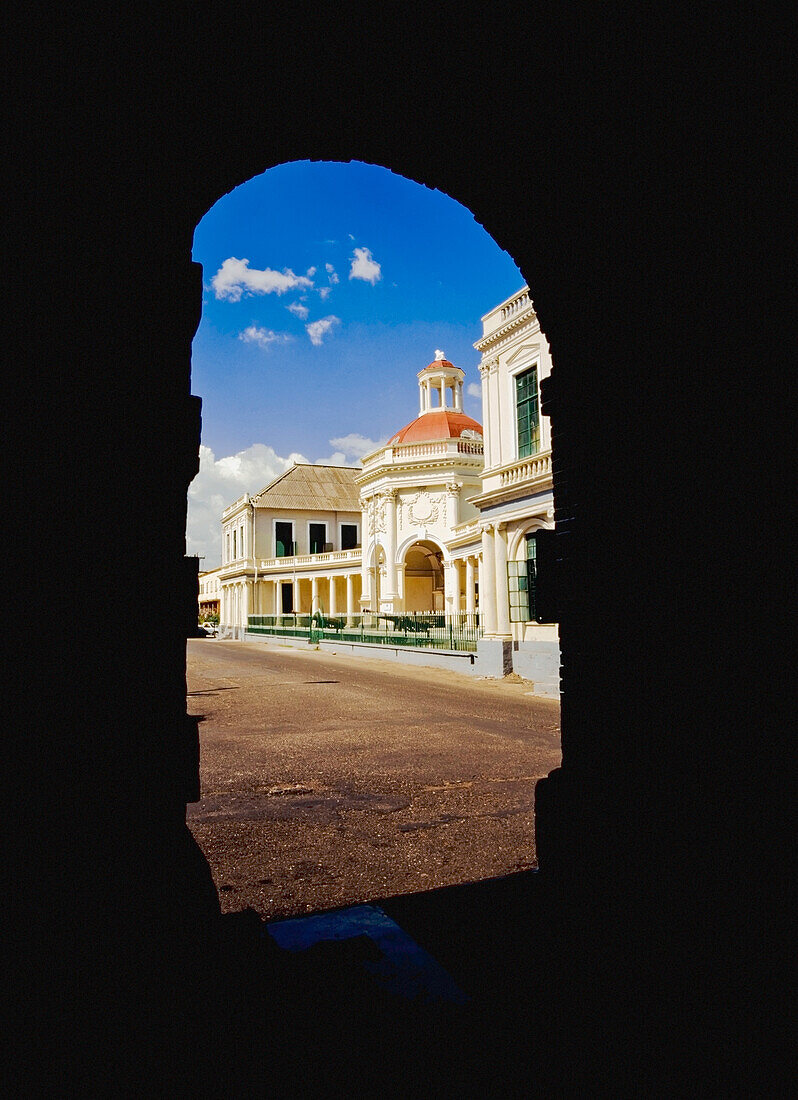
486, 430
297, 604
487, 582
458, 396
314, 595
244, 605
453, 501
451, 587
390, 544
502, 598
350, 598
496, 413
469, 592
400, 586
333, 606
365, 585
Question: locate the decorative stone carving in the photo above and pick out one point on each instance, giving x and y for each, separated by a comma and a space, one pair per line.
376, 515
425, 508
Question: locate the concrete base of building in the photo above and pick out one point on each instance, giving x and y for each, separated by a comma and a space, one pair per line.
457, 660
538, 662
495, 657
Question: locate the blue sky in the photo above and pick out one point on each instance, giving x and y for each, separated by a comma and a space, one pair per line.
326, 288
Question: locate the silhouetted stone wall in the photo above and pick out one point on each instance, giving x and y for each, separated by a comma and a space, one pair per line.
560, 145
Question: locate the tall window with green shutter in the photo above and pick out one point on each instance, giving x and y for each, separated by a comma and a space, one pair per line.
521, 584
526, 409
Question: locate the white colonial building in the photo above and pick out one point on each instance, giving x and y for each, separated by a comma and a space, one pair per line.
294, 547
416, 497
209, 593
516, 497
439, 520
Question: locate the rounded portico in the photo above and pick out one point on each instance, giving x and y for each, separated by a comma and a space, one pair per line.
415, 496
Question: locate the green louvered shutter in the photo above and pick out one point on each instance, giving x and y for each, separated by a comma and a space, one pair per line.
526, 410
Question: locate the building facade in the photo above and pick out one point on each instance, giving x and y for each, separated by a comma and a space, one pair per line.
439, 520
292, 548
415, 494
516, 498
209, 594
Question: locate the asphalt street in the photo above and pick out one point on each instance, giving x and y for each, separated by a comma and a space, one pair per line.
329, 780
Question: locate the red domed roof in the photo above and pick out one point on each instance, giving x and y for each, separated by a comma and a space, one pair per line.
437, 424
438, 364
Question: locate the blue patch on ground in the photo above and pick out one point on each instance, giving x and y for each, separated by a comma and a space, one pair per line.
404, 969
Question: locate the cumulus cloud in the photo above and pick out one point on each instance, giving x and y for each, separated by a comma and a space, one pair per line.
474, 389
324, 292
332, 273
317, 330
220, 482
263, 337
298, 309
311, 271
235, 278
355, 445
364, 266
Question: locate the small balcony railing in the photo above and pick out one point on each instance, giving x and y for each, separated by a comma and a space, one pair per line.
532, 468
327, 557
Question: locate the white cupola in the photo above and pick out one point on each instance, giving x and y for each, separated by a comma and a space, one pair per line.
443, 378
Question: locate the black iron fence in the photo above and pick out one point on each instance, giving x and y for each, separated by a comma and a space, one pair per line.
419, 629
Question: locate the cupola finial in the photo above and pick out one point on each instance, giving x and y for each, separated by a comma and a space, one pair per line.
440, 354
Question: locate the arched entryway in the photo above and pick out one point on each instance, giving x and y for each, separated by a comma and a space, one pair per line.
422, 567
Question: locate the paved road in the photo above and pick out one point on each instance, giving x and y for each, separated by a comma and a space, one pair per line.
329, 779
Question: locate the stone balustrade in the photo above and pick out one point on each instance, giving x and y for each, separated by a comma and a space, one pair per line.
444, 448
330, 557
505, 313
533, 468
515, 306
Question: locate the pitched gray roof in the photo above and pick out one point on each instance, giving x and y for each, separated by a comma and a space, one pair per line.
313, 488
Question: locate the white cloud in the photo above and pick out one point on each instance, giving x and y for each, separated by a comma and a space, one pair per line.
364, 266
356, 445
236, 278
474, 389
324, 292
317, 330
220, 482
298, 309
263, 337
332, 273
311, 271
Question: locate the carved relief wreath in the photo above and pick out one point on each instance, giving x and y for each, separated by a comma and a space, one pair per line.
423, 509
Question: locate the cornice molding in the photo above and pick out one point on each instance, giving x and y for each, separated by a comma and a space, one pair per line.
503, 335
